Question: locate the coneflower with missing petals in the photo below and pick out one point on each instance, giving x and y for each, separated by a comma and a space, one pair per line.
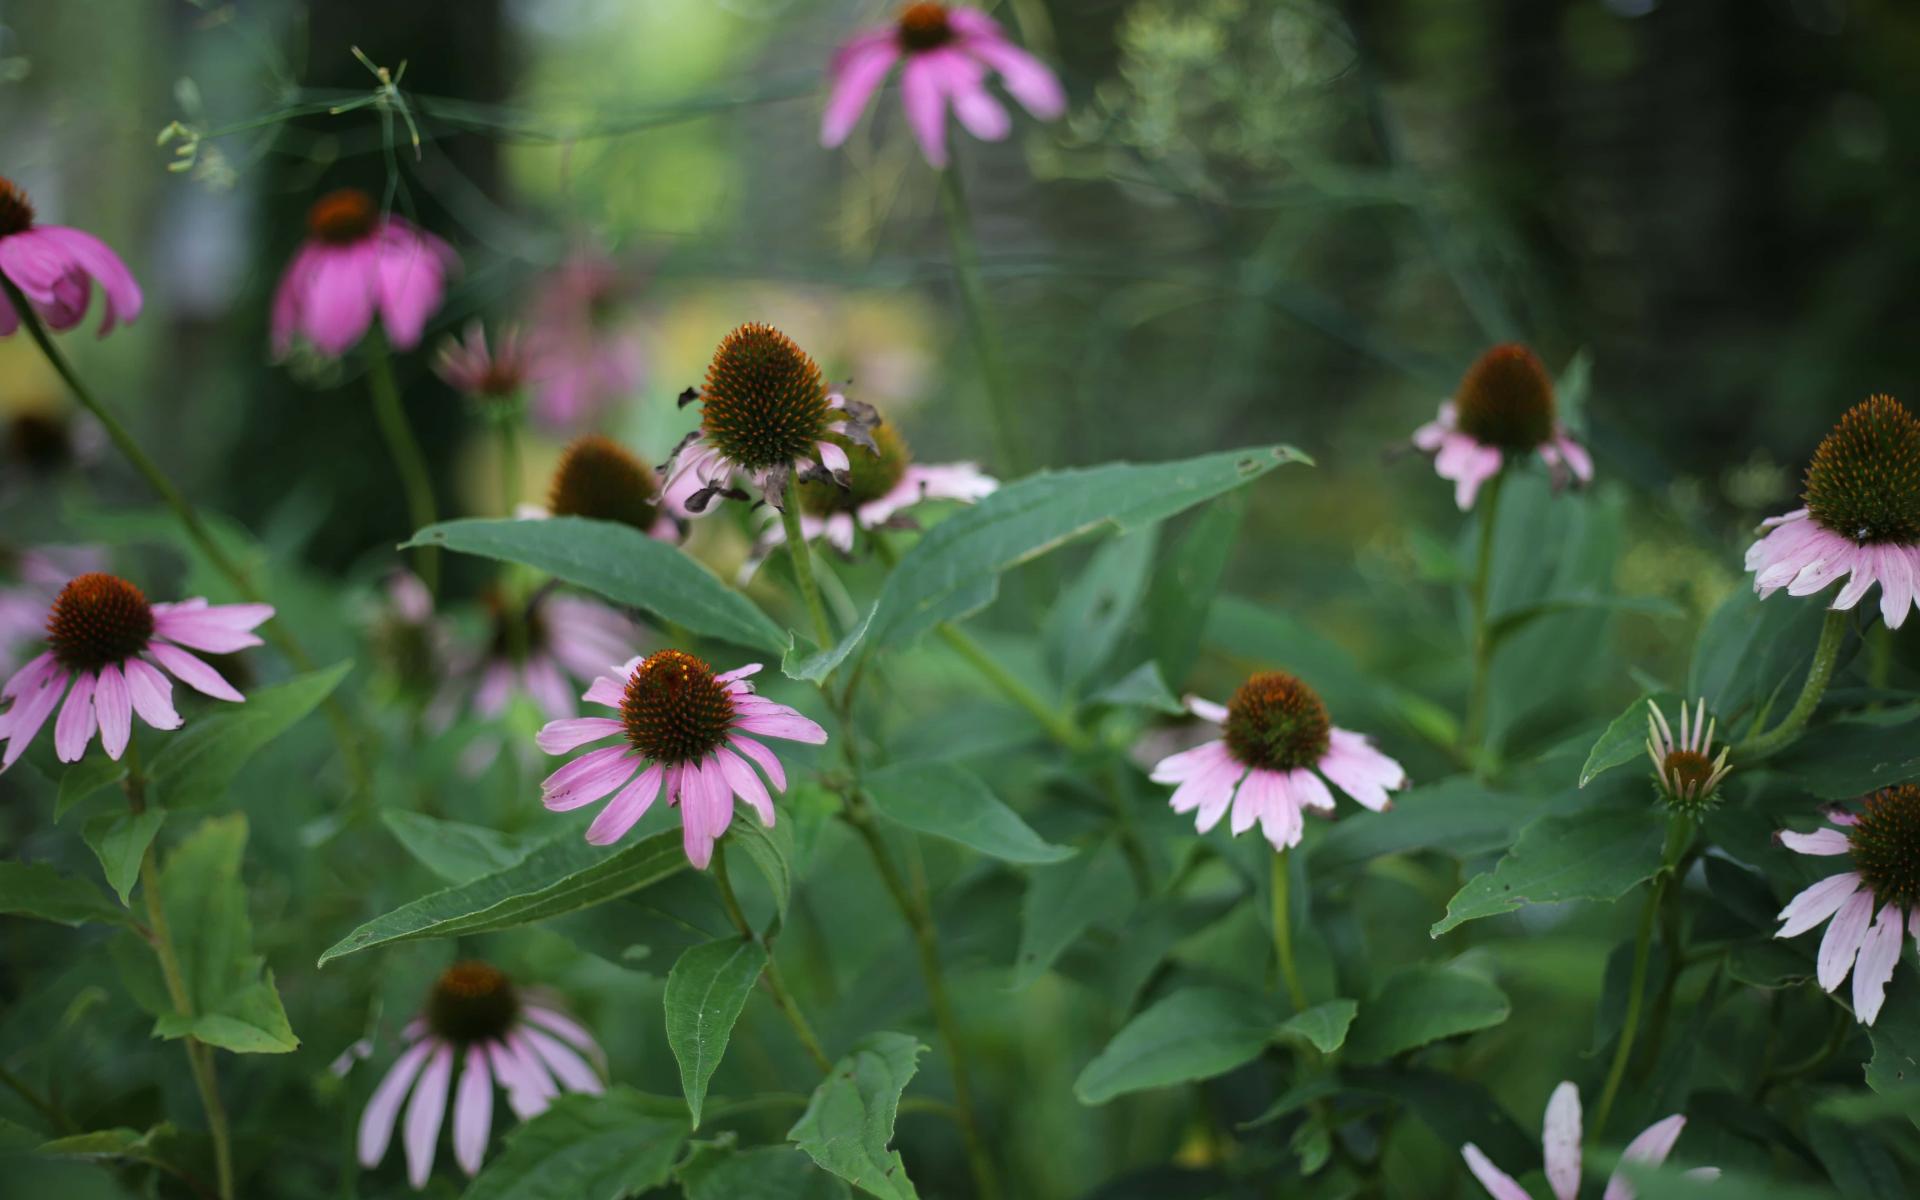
765, 415
1560, 1138
495, 1035
492, 375
55, 268
1684, 768
1866, 909
1505, 407
1277, 752
684, 733
1860, 520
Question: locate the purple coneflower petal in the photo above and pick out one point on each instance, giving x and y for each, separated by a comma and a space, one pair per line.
1820, 841
1498, 1183
1816, 903
34, 690
1879, 954
547, 687
589, 777
76, 724
560, 737
745, 784
564, 1025
1280, 812
528, 1091
782, 722
1843, 937
922, 96
572, 1070
738, 673
626, 808
767, 759
858, 71
473, 1112
832, 457
216, 630
1651, 1148
1310, 790
151, 693
425, 1112
376, 1123
1560, 1141
192, 672
979, 112
113, 706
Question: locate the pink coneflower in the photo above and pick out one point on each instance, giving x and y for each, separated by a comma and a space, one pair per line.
765, 414
684, 728
538, 649
1275, 736
949, 50
599, 478
1684, 768
359, 262
489, 375
879, 486
39, 574
1505, 406
104, 638
586, 357
55, 268
1861, 519
497, 1036
1560, 1145
1870, 905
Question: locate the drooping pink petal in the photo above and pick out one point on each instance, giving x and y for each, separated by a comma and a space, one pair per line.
1816, 903
738, 673
745, 784
152, 694
589, 777
1843, 937
1820, 841
1865, 575
1560, 1141
336, 307
627, 807
1178, 768
1208, 790
832, 457
34, 691
411, 281
1651, 1148
766, 758
718, 795
1281, 820
923, 97
1359, 770
559, 737
974, 105
1025, 77
91, 255
1309, 790
76, 724
547, 687
1879, 954
425, 1112
1895, 570
564, 1025
473, 1112
782, 722
218, 630
113, 706
606, 690
376, 1123
572, 1070
858, 71
1498, 1183
192, 672
529, 1089
495, 690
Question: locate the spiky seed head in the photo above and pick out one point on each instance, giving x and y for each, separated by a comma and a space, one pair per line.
472, 1002
1864, 480
1277, 723
1506, 399
764, 404
98, 620
599, 478
674, 710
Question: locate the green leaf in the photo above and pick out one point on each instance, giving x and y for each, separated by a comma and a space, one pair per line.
719, 1172
120, 841
112, 1145
622, 564
84, 778
558, 876
849, 1120
1750, 649
705, 992
234, 1002
1860, 1167
201, 760
771, 850
1184, 587
1063, 900
1195, 1033
951, 802
1420, 1005
586, 1148
1515, 621
955, 569
1625, 738
1459, 815
454, 850
1896, 1040
1457, 1110
1086, 622
37, 890
1142, 687
1595, 854
1324, 1026
1851, 758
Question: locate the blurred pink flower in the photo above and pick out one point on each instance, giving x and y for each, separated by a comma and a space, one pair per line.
109, 642
490, 374
684, 728
1867, 908
537, 650
477, 1020
55, 267
949, 52
1275, 737
1861, 518
359, 263
585, 358
1560, 1143
1505, 406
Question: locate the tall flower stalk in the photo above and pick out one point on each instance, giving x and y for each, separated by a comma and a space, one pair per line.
981, 329
408, 460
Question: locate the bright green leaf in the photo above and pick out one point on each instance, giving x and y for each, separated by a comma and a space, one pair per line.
558, 876
849, 1120
622, 564
120, 841
200, 761
1420, 1005
951, 802
1625, 738
586, 1148
1195, 1033
1596, 854
1324, 1026
705, 992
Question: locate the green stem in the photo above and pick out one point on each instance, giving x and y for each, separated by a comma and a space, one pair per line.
1679, 838
1825, 656
160, 937
1060, 726
802, 561
197, 532
771, 978
1283, 932
1489, 504
407, 458
979, 314
927, 943
509, 463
